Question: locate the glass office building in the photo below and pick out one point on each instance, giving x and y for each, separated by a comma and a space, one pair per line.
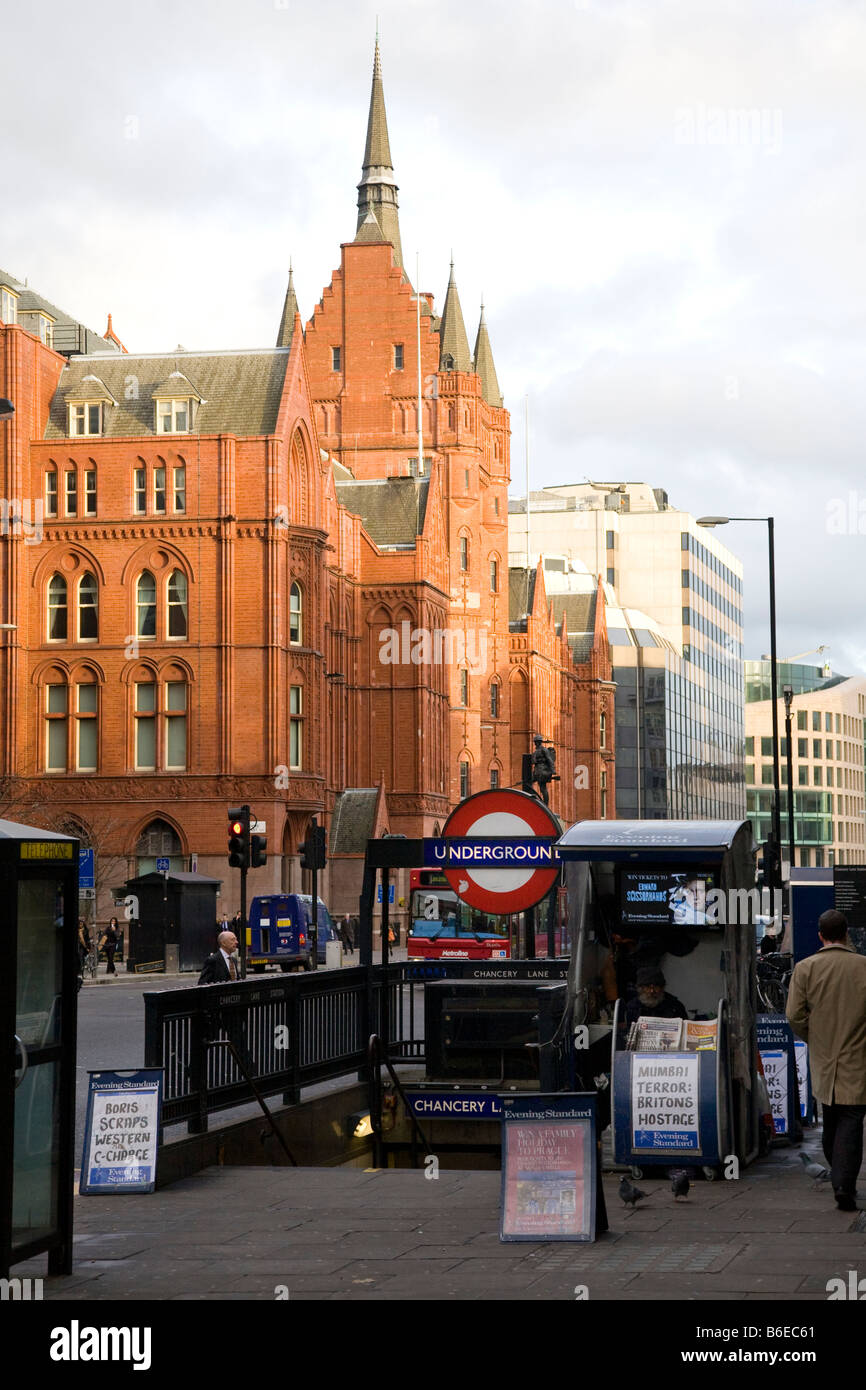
674, 613
828, 719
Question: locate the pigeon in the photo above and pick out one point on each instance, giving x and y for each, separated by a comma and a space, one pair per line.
814, 1170
679, 1183
629, 1193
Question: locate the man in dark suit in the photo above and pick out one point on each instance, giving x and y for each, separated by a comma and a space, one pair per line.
222, 965
221, 968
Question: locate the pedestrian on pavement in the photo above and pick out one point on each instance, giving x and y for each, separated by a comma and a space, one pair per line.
827, 1009
223, 923
111, 940
346, 935
222, 965
236, 925
84, 944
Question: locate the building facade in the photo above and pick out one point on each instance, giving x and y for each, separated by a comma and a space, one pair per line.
253, 582
828, 720
675, 624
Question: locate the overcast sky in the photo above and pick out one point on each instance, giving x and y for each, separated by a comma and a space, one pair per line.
662, 203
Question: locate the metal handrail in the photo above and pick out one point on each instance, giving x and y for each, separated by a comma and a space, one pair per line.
376, 1056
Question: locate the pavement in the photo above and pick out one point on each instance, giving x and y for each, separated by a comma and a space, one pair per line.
352, 1234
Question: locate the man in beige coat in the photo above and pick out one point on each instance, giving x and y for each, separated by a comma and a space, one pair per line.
827, 1008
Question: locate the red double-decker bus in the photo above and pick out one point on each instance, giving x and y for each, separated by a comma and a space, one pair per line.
441, 927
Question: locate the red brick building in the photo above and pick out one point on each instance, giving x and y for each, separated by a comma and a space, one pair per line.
233, 576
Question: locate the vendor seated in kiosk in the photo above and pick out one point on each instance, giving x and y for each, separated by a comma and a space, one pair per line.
652, 1000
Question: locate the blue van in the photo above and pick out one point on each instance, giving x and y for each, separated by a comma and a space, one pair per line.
277, 933
280, 933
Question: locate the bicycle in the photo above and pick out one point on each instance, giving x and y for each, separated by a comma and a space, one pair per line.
773, 977
90, 963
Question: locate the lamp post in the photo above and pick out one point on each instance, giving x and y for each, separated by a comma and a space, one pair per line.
788, 693
723, 521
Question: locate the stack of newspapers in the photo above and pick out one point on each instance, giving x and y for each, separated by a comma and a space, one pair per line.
672, 1035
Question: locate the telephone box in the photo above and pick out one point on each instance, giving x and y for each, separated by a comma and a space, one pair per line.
38, 1014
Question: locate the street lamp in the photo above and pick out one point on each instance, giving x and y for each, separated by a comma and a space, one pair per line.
774, 691
788, 693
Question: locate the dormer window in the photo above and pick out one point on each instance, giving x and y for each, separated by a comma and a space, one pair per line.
85, 417
86, 401
174, 402
45, 329
173, 417
8, 305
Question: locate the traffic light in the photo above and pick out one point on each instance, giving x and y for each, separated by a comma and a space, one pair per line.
239, 837
258, 851
313, 851
772, 862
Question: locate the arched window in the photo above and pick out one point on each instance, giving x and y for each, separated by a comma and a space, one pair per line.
57, 609
296, 726
494, 575
51, 492
145, 605
86, 725
88, 611
464, 686
296, 615
158, 839
494, 699
160, 716
177, 604
464, 780
464, 553
56, 725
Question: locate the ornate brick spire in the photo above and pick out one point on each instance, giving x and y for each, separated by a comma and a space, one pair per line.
484, 364
454, 345
290, 309
377, 191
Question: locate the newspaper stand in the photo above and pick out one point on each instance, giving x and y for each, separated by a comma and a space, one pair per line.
776, 1045
677, 1107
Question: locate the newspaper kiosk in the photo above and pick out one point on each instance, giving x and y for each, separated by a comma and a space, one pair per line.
682, 893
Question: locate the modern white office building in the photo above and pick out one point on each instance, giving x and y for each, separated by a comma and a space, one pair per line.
676, 628
828, 719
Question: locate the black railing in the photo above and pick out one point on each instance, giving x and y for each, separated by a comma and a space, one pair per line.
294, 1031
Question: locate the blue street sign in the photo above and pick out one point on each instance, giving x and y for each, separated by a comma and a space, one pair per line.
86, 869
163, 866
455, 1105
390, 894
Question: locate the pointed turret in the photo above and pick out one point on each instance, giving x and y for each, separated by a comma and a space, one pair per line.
377, 191
290, 309
484, 364
453, 343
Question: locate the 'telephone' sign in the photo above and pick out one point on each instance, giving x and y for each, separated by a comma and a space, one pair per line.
47, 849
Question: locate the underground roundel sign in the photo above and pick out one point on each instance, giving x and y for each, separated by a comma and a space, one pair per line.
503, 815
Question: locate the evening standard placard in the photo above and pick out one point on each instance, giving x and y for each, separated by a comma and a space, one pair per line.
664, 1102
775, 1064
121, 1132
548, 1168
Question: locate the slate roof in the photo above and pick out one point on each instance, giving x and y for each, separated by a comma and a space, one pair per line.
579, 610
519, 598
392, 509
353, 820
454, 345
240, 391
69, 334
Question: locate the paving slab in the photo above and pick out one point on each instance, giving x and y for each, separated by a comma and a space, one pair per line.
368, 1235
